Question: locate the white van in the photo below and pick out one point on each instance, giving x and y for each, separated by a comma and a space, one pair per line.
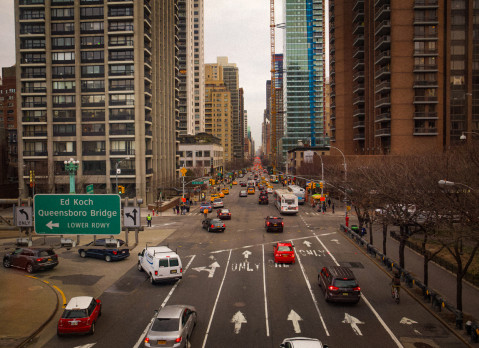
160, 263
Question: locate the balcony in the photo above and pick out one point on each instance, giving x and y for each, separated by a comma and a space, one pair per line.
425, 99
358, 136
358, 112
358, 124
35, 153
92, 118
383, 72
358, 76
358, 28
122, 131
38, 104
358, 87
384, 42
93, 152
358, 5
93, 132
65, 153
383, 13
358, 41
62, 119
124, 152
122, 117
35, 75
426, 52
32, 2
383, 28
383, 57
358, 52
32, 90
358, 100
358, 16
34, 133
359, 65
382, 117
425, 20
382, 132
382, 102
425, 37
383, 85
425, 84
424, 4
425, 115
425, 131
124, 171
34, 119
425, 68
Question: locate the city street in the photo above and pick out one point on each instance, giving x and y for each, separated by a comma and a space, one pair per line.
242, 297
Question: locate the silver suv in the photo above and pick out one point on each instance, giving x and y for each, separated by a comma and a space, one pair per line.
302, 342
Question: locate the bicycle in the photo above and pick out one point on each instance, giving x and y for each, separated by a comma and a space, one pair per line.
395, 293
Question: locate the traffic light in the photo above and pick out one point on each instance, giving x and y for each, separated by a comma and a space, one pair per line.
321, 185
314, 185
121, 189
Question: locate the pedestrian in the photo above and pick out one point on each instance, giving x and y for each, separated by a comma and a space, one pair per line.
205, 213
174, 210
177, 209
329, 202
332, 208
148, 220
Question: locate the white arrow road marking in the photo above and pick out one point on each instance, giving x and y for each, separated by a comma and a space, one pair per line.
246, 253
349, 319
295, 318
407, 321
307, 243
211, 257
335, 240
51, 224
417, 332
210, 270
238, 319
89, 345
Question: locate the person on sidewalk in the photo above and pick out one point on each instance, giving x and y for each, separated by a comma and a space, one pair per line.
148, 220
177, 209
329, 202
332, 207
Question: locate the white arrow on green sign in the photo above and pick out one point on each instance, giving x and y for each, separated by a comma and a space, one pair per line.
77, 214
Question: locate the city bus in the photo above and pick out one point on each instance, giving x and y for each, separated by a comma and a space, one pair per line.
273, 179
285, 201
298, 191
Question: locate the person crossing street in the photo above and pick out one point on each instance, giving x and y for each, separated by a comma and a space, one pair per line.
148, 220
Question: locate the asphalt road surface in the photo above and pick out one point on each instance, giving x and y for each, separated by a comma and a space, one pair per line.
244, 299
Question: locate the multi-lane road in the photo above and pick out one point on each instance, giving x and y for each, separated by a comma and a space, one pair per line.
243, 298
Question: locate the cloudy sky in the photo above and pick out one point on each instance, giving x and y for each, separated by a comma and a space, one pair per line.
238, 29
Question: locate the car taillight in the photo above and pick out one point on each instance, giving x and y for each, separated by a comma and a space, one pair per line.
178, 340
229, 213
333, 288
115, 252
56, 256
357, 288
40, 259
224, 225
181, 270
60, 323
282, 223
267, 223
88, 321
147, 340
212, 226
156, 273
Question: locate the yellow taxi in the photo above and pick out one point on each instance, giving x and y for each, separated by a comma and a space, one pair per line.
213, 196
235, 182
226, 191
221, 194
251, 190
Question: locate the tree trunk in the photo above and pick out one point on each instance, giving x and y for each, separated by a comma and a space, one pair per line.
402, 245
426, 260
371, 241
385, 237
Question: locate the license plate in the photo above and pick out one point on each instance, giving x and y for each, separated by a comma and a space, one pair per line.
275, 225
123, 252
50, 260
73, 323
161, 342
345, 294
173, 271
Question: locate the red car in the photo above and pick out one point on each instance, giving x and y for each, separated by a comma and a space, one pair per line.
283, 252
80, 316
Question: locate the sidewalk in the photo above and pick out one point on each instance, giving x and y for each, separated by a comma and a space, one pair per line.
26, 304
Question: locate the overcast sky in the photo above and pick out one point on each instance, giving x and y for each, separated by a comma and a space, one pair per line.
238, 29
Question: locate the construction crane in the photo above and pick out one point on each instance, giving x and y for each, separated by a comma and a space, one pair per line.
272, 27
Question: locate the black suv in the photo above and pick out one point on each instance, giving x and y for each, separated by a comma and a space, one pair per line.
273, 223
213, 225
339, 284
31, 259
263, 199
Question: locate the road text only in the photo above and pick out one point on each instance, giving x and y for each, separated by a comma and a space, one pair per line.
77, 214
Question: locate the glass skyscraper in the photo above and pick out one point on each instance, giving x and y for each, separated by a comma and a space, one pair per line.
304, 74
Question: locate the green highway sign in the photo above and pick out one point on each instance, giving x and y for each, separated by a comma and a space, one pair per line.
77, 214
197, 182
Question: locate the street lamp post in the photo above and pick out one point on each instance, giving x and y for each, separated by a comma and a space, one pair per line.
345, 177
71, 166
117, 170
452, 183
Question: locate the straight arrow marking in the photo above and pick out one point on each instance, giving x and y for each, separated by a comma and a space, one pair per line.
407, 321
307, 243
238, 319
295, 318
246, 253
349, 319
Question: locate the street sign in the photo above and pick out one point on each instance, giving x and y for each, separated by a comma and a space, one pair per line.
183, 171
131, 217
24, 216
89, 189
197, 182
77, 214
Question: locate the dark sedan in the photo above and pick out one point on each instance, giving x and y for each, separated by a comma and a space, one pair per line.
31, 259
224, 214
274, 223
103, 249
213, 225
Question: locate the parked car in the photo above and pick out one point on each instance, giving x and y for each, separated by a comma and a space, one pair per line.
283, 252
218, 203
223, 214
243, 193
172, 327
263, 199
80, 316
274, 223
31, 259
160, 263
339, 284
302, 342
213, 225
206, 205
105, 249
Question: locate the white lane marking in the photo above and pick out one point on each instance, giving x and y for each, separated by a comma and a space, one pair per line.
312, 295
335, 240
265, 298
210, 270
246, 253
140, 340
349, 319
216, 301
388, 330
307, 243
407, 321
89, 345
295, 318
417, 332
238, 319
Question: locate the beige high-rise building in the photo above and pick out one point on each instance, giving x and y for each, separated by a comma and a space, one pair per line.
218, 109
97, 84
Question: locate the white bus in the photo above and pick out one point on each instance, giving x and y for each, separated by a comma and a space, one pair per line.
285, 201
298, 191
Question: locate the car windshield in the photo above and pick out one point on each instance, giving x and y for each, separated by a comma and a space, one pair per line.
74, 313
275, 220
284, 248
45, 253
289, 201
166, 324
345, 283
225, 211
217, 200
174, 263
